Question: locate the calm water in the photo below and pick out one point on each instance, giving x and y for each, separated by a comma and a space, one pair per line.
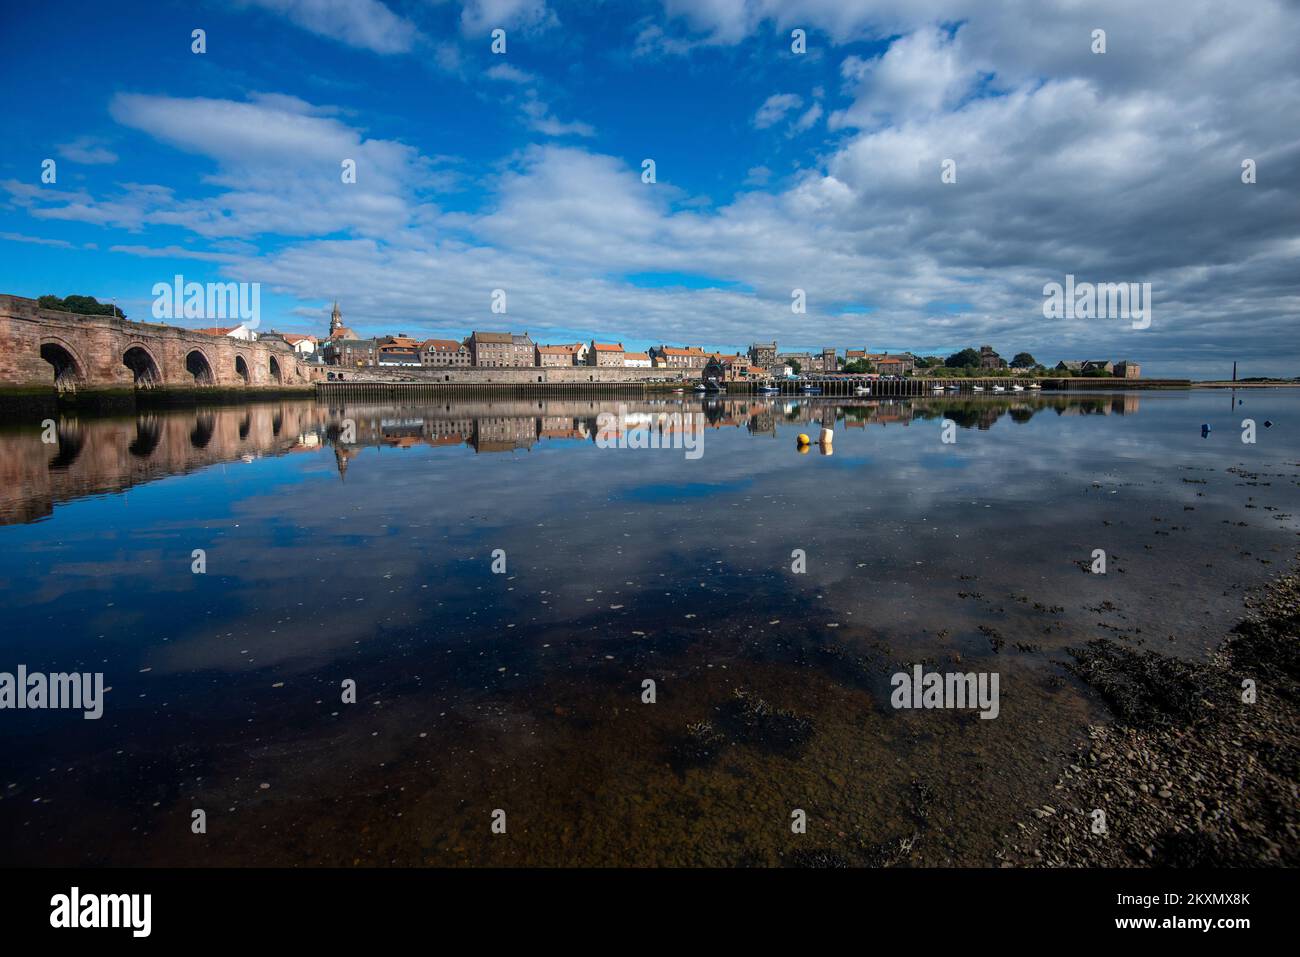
371, 560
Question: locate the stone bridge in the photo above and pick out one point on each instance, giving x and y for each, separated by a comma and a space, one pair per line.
40, 348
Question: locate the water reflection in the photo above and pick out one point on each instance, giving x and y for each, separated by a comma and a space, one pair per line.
125, 453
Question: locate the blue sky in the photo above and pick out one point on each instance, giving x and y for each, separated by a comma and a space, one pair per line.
775, 170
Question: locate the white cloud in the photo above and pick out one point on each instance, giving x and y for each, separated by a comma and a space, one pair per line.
540, 119
87, 150
775, 107
808, 120
483, 16
36, 240
366, 24
920, 74
510, 74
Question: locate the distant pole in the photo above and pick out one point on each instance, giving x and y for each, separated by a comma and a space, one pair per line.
1234, 371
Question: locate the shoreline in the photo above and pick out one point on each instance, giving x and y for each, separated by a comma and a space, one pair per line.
1188, 774
17, 401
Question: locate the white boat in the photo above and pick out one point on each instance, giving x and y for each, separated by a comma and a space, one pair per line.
862, 390
979, 388
1017, 388
1035, 385
938, 389
954, 388
998, 388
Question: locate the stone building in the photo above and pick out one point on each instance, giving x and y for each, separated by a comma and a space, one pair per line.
353, 353
523, 350
555, 356
1128, 369
605, 354
990, 359
670, 357
444, 353
565, 354
891, 365
763, 354
501, 350
803, 360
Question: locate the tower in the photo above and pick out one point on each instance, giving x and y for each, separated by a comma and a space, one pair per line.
336, 319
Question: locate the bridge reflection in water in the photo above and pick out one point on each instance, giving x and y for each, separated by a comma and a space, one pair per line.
93, 456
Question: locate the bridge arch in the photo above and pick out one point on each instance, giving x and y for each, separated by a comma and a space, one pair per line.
69, 370
241, 369
199, 366
148, 433
143, 365
205, 423
274, 366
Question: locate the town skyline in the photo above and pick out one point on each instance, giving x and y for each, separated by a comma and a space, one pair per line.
343, 346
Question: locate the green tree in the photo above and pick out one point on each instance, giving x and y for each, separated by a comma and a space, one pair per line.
1023, 360
81, 305
794, 364
963, 360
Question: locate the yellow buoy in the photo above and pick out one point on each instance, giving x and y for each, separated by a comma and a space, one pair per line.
803, 439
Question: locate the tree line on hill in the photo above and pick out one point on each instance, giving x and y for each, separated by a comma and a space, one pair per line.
967, 363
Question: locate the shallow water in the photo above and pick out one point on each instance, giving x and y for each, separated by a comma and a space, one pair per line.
372, 560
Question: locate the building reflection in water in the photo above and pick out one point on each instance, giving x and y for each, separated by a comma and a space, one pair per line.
92, 456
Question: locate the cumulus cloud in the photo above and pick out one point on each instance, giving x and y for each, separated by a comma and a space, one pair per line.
920, 74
